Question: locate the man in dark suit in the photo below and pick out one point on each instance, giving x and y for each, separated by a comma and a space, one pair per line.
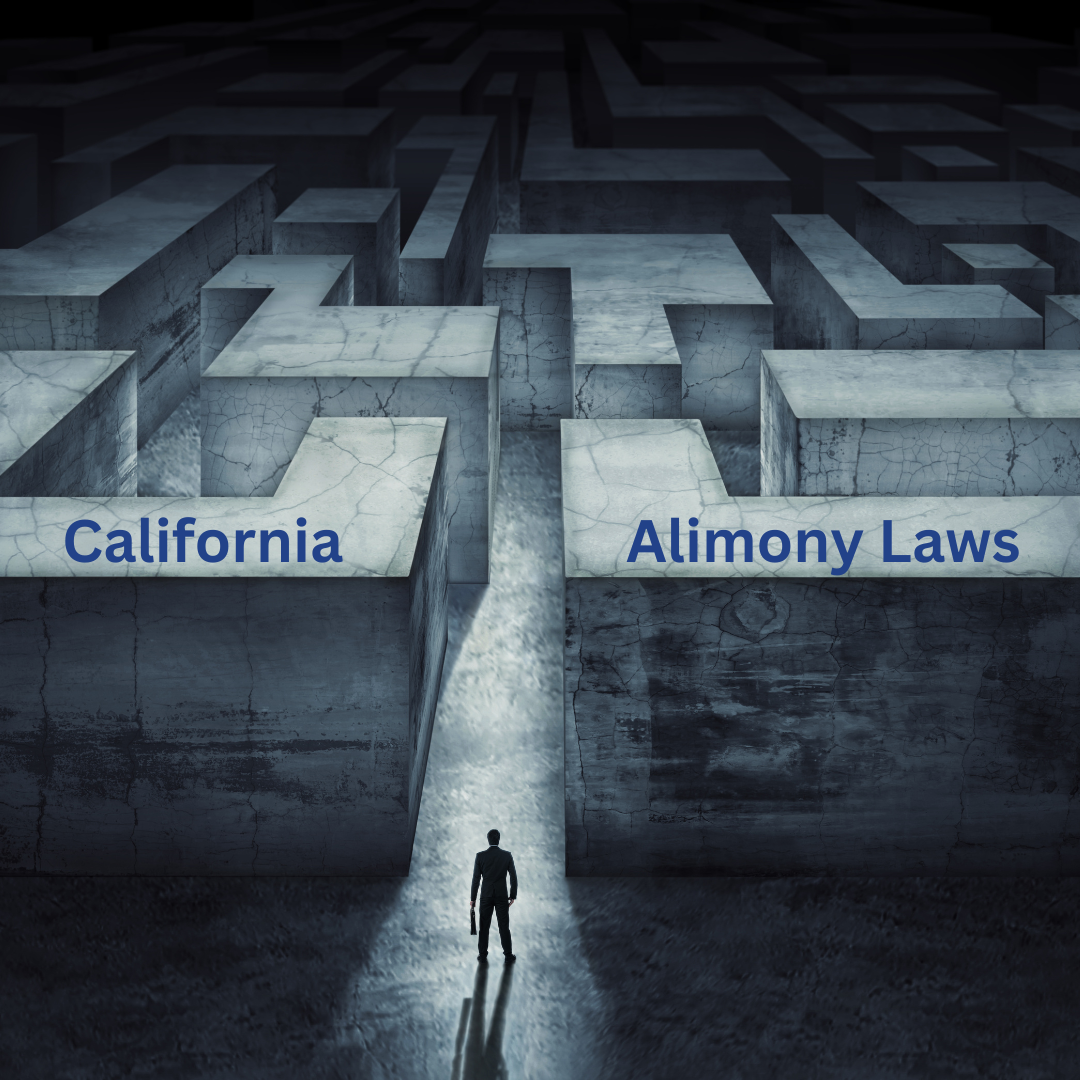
493, 865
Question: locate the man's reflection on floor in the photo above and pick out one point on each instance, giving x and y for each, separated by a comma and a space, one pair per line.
474, 1057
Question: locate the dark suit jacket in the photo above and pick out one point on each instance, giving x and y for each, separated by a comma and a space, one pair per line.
493, 865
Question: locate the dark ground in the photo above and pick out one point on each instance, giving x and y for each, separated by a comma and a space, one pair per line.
707, 977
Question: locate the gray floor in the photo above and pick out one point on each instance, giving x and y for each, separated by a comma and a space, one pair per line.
747, 979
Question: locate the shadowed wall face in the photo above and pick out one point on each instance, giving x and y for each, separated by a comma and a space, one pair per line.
801, 727
268, 766
221, 726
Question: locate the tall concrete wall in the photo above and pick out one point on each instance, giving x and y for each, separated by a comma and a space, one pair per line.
820, 727
220, 726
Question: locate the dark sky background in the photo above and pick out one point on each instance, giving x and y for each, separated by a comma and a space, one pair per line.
1050, 21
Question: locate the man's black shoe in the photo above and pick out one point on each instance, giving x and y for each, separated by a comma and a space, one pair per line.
510, 958
481, 959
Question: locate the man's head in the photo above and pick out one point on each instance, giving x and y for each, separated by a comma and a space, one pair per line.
493, 836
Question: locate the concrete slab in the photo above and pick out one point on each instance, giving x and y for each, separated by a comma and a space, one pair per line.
67, 423
127, 275
361, 222
831, 293
926, 422
279, 350
622, 113
883, 129
1059, 166
904, 224
634, 325
311, 148
1017, 271
568, 189
618, 474
307, 751
945, 163
448, 173
1062, 323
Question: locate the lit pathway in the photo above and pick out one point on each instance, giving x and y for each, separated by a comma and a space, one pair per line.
496, 762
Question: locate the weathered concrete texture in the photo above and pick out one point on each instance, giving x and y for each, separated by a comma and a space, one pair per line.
568, 189
923, 422
169, 461
809, 728
904, 224
173, 727
883, 129
627, 326
67, 423
275, 362
1062, 322
622, 478
535, 344
831, 293
1026, 276
127, 275
442, 260
902, 976
332, 148
362, 222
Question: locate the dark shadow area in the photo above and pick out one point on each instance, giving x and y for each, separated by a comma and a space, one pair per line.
179, 977
478, 1056
416, 174
831, 978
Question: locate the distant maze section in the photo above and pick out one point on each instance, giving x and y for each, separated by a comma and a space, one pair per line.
796, 290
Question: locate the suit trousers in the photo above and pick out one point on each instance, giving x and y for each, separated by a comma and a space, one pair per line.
501, 907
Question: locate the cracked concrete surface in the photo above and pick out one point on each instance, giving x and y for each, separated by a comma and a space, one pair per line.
650, 979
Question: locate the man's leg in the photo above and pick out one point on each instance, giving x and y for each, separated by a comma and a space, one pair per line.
502, 911
486, 908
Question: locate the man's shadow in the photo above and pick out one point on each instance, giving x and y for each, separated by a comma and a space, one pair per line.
475, 1058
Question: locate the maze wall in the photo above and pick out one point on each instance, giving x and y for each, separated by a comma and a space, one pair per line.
797, 292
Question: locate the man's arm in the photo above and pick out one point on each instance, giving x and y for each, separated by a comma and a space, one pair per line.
475, 878
513, 879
